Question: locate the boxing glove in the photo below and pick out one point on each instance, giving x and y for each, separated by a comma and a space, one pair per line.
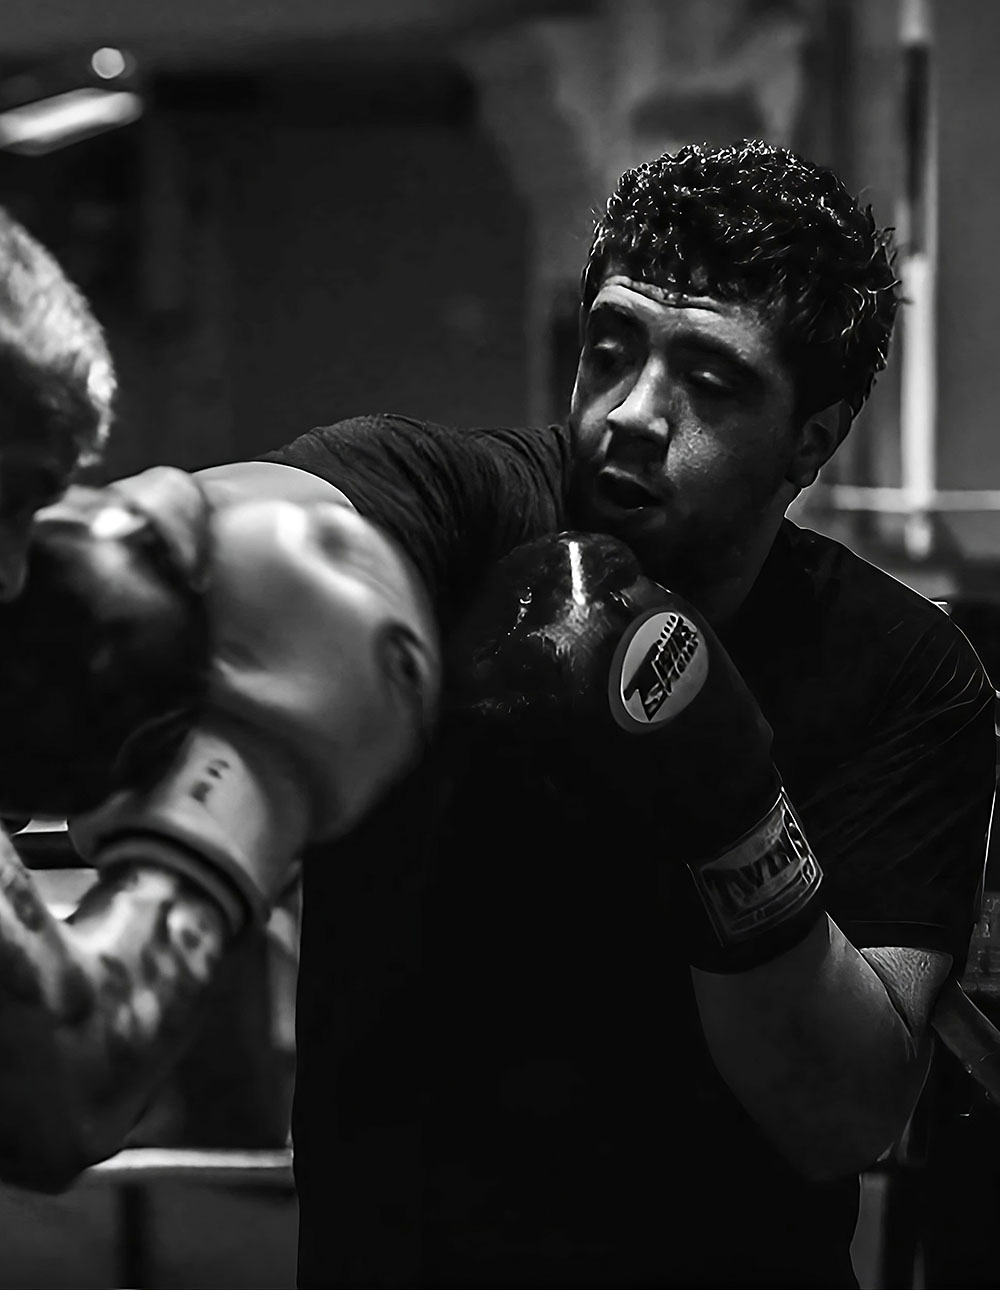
179, 508
321, 690
622, 690
103, 656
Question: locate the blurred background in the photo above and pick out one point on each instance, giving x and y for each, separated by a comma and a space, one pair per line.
285, 214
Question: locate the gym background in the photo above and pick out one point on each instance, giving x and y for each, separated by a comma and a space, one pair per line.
285, 214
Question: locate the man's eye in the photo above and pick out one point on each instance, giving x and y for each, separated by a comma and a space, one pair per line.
712, 382
606, 355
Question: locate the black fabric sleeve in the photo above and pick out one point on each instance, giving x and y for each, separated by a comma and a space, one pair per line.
901, 828
454, 499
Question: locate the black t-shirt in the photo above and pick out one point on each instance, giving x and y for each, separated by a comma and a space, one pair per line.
502, 1079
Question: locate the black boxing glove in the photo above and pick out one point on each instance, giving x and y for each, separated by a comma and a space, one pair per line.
573, 653
103, 656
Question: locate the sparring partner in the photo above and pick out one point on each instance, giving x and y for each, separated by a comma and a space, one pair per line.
578, 1005
120, 670
198, 740
57, 386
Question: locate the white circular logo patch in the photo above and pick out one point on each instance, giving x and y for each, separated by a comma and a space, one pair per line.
659, 666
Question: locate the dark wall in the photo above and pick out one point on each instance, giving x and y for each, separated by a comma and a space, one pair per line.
375, 268
279, 251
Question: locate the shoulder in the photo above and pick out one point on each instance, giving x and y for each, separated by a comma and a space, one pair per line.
860, 676
851, 585
885, 629
886, 728
400, 470
397, 434
454, 498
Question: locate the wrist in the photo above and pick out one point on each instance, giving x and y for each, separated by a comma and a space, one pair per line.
756, 899
141, 851
230, 815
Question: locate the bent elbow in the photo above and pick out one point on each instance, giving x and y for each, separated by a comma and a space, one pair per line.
850, 1152
830, 1168
863, 1131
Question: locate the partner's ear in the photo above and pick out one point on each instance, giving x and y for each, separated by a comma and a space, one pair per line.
818, 438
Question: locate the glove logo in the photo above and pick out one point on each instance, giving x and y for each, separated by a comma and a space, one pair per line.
213, 771
768, 877
659, 666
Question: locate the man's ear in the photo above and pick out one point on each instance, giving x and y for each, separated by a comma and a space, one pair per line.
818, 438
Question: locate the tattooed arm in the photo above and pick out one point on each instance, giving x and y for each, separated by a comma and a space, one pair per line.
94, 1011
285, 750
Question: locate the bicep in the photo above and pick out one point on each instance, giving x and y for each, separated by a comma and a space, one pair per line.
900, 825
454, 500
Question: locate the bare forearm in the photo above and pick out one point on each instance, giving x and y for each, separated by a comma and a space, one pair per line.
815, 1047
94, 1011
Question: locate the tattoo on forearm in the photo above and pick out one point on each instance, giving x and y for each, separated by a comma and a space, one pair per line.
104, 1003
20, 979
75, 1002
151, 982
17, 886
22, 925
157, 944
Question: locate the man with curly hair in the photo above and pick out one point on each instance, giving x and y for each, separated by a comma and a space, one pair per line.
515, 1067
537, 1094
542, 1095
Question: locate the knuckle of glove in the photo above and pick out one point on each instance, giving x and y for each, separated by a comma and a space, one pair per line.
104, 656
176, 506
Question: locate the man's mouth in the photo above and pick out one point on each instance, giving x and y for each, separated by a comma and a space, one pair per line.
623, 491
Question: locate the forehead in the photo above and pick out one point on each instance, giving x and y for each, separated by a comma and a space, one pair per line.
744, 328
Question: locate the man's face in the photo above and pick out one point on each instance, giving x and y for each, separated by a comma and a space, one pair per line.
35, 469
683, 431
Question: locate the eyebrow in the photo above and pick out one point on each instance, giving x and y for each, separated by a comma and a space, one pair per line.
720, 349
695, 340
602, 308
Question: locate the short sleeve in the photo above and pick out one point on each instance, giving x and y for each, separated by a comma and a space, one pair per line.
901, 827
455, 499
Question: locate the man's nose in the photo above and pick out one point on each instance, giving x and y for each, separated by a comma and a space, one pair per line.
646, 412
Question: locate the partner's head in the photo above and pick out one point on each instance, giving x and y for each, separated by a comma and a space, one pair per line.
57, 384
737, 305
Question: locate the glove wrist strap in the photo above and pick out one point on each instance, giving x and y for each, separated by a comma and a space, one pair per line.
237, 904
757, 899
230, 814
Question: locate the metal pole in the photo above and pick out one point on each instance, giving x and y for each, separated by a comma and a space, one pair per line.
134, 1234
918, 226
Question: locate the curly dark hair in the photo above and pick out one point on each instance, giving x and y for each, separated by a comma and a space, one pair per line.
55, 366
757, 224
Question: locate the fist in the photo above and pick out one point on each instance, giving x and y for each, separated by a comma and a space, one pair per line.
594, 675
103, 657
